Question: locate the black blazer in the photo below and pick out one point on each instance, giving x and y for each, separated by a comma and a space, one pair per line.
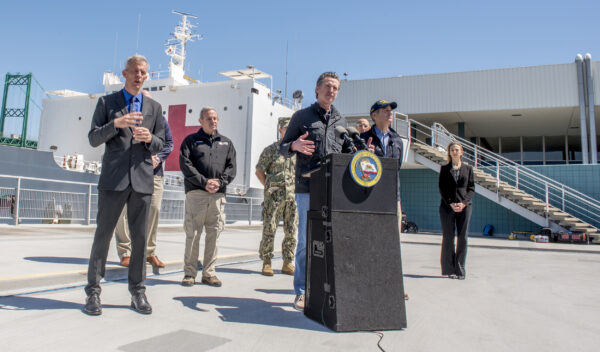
457, 192
125, 163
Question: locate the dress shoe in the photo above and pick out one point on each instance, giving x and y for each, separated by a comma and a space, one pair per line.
299, 303
93, 305
460, 277
125, 261
267, 270
155, 262
139, 302
212, 281
287, 268
188, 281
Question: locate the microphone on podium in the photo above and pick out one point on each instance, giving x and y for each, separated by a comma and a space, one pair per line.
353, 132
341, 132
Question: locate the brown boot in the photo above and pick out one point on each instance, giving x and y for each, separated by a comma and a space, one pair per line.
267, 270
287, 268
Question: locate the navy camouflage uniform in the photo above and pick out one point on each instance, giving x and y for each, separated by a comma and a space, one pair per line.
279, 200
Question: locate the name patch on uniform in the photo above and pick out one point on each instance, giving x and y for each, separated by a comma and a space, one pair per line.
365, 168
223, 143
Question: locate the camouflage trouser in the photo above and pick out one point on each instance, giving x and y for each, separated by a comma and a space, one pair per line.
276, 205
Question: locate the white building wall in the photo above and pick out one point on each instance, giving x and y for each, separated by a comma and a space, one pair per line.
266, 115
500, 89
65, 123
596, 79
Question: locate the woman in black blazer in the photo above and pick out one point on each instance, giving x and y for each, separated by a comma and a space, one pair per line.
457, 188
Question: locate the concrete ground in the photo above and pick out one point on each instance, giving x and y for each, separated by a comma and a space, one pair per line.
518, 296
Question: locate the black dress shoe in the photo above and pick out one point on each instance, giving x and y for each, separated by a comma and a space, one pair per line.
92, 305
139, 302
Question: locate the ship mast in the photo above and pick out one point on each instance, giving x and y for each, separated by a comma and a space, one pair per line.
176, 45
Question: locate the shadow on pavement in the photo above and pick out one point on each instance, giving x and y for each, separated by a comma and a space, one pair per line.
64, 260
160, 281
275, 291
35, 303
413, 276
253, 311
223, 269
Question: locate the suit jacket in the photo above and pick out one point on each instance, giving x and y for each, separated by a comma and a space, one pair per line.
453, 191
125, 163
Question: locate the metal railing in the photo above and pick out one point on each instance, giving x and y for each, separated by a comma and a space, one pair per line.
506, 171
50, 201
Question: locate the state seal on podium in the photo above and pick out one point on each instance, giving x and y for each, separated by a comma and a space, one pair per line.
365, 168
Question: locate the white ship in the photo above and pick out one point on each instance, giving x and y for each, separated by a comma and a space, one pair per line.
248, 112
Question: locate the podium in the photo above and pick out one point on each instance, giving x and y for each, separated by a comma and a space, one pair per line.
353, 268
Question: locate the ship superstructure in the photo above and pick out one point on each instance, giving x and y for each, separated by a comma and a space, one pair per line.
248, 110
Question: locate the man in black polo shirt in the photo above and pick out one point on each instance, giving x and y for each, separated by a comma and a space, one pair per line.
207, 161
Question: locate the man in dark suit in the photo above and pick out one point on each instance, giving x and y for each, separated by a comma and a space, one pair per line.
131, 127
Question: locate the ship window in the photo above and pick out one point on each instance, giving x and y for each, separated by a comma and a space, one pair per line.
190, 111
164, 112
154, 89
240, 107
79, 118
161, 87
225, 108
146, 89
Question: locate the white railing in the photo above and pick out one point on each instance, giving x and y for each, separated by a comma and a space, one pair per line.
549, 191
35, 200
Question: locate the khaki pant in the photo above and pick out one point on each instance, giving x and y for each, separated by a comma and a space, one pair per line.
203, 210
123, 240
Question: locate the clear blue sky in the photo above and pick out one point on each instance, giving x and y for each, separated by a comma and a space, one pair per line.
68, 44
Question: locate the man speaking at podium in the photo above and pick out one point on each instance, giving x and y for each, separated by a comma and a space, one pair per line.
311, 136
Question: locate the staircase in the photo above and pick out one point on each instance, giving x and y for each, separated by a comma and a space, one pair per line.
532, 195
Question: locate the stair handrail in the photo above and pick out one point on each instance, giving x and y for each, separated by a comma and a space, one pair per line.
524, 170
525, 179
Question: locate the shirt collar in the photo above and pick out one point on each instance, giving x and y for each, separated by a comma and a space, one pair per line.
323, 112
128, 96
203, 134
380, 133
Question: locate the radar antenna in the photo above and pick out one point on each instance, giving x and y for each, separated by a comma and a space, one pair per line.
176, 45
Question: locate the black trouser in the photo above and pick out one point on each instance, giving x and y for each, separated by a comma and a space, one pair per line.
110, 205
453, 262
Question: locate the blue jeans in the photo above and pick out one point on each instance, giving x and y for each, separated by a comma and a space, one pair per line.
302, 203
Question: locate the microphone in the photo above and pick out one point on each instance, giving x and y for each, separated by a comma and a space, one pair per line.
356, 137
341, 132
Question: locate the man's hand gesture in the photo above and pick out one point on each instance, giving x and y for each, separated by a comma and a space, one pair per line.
303, 145
132, 119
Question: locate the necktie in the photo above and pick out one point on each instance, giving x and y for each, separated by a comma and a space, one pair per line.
133, 105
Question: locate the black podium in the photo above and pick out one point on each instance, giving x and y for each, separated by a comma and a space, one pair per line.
354, 268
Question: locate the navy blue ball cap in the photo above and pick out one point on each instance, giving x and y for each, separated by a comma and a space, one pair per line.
380, 104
